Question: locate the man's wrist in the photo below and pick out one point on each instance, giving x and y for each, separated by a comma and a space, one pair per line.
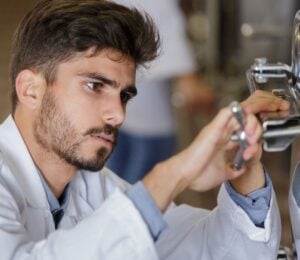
250, 181
256, 204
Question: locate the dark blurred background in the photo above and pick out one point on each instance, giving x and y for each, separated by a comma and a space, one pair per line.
226, 37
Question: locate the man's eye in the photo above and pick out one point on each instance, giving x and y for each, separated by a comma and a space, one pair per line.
126, 96
94, 85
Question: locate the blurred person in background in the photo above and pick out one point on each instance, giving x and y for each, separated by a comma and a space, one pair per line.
149, 133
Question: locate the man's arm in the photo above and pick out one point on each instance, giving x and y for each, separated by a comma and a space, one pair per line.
204, 164
229, 225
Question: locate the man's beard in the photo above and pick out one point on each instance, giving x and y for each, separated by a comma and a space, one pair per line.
55, 133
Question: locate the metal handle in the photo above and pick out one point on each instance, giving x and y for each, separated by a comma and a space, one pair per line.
240, 136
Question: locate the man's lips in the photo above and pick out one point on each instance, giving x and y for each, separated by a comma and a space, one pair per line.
107, 138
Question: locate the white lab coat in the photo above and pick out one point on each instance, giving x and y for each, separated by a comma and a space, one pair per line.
100, 222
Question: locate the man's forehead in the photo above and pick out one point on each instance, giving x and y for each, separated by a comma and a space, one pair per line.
106, 63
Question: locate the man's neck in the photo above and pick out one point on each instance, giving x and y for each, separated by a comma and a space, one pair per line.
56, 172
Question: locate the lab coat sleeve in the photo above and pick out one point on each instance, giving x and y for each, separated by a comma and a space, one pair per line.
295, 220
226, 232
114, 231
294, 195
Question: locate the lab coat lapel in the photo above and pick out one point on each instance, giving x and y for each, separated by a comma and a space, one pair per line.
78, 209
37, 211
78, 206
40, 222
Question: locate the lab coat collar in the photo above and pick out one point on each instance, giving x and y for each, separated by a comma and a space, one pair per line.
18, 158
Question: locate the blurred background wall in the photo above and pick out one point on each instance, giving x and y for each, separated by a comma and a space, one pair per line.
226, 36
10, 14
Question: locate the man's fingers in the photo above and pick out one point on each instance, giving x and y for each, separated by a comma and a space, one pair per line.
250, 152
253, 129
262, 101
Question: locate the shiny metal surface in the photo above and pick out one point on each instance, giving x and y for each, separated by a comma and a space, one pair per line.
238, 113
296, 51
282, 80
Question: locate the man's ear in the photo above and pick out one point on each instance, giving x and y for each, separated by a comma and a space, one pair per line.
30, 88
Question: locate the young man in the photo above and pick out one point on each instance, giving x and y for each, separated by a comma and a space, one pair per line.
72, 73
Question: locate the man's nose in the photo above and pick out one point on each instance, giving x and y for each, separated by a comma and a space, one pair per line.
114, 113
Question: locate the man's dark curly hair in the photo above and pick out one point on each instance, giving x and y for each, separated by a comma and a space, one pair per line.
56, 30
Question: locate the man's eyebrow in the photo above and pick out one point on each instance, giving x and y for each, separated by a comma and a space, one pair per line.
105, 80
97, 76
